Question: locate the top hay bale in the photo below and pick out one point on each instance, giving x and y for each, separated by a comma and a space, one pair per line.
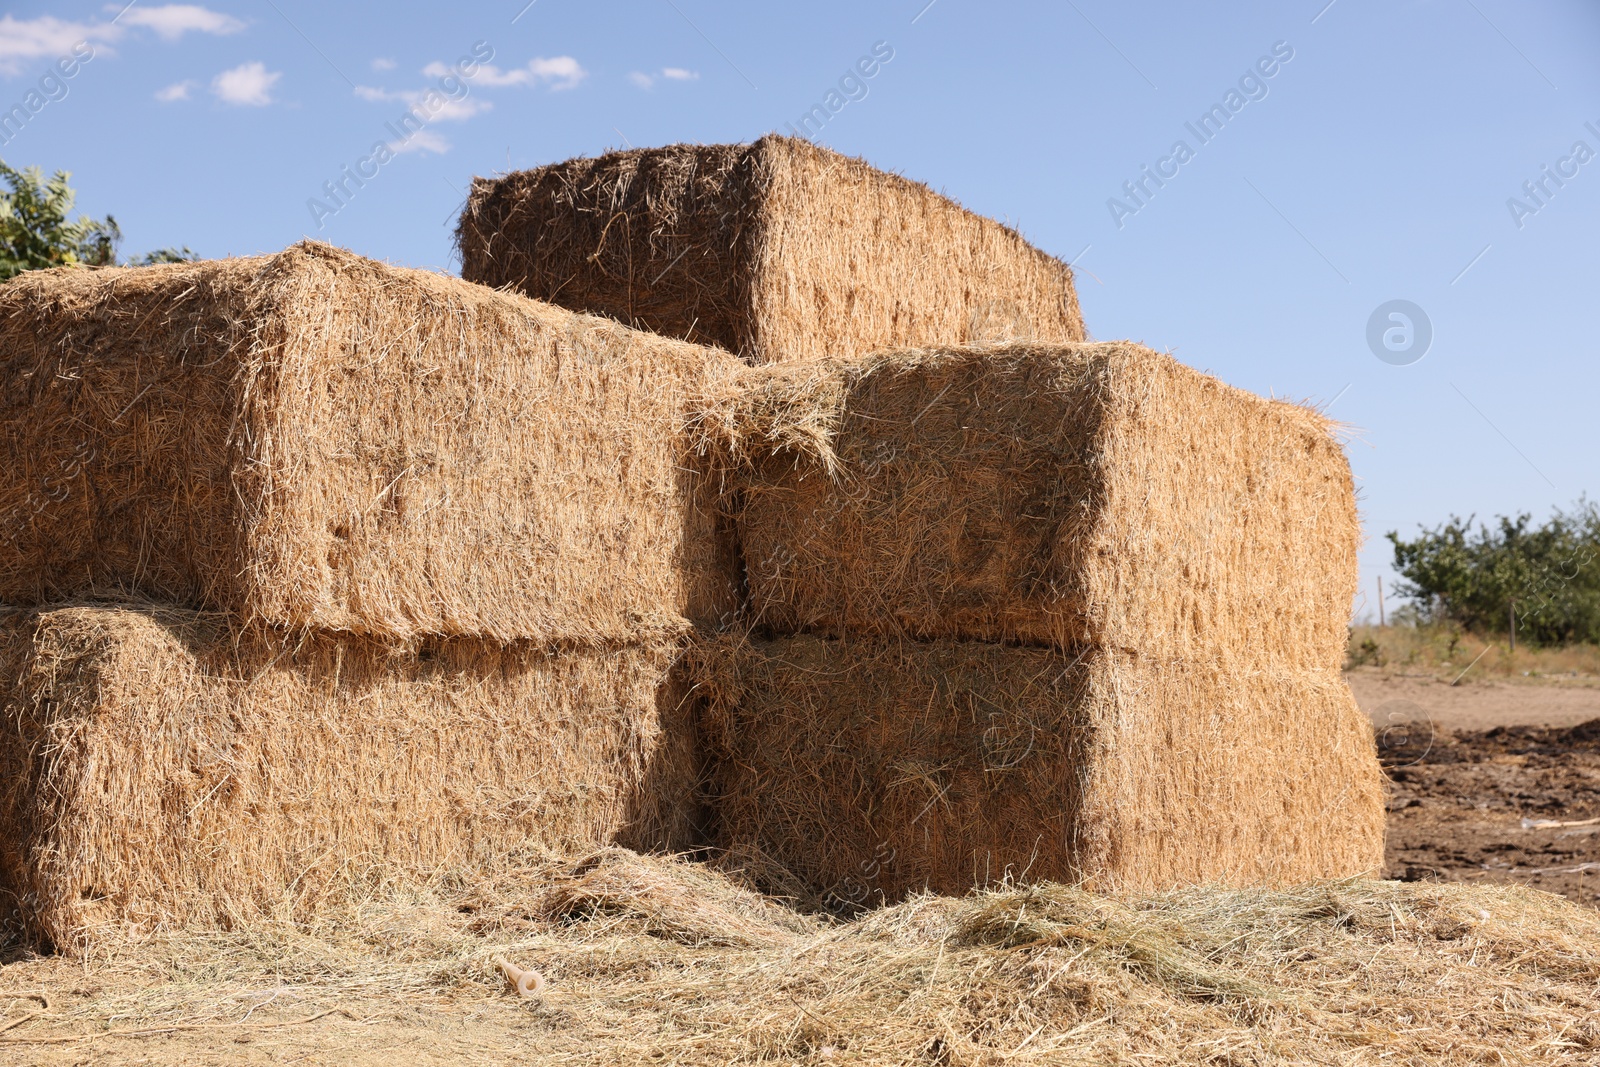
316, 440
777, 250
1096, 494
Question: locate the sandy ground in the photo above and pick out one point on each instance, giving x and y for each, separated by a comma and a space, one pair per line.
1390, 697
415, 1033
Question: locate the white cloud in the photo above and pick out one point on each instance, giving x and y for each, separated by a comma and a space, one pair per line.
557, 72
383, 64
561, 72
433, 104
171, 21
175, 91
488, 74
421, 141
29, 42
675, 74
446, 110
46, 38
249, 85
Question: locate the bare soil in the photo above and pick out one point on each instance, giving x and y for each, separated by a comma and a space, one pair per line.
1506, 804
1483, 774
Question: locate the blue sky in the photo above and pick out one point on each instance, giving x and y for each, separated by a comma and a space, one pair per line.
1379, 161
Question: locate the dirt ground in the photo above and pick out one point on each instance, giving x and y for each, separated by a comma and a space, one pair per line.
1490, 782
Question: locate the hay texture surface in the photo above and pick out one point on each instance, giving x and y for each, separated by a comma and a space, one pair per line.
161, 768
777, 250
316, 440
873, 767
1095, 494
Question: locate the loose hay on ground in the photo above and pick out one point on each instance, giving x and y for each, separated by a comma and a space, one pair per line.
1094, 494
873, 767
1349, 973
316, 440
161, 768
777, 250
690, 903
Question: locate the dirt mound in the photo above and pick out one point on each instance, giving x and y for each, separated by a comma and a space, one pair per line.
1585, 733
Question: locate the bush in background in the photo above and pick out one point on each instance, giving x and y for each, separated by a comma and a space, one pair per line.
36, 232
1472, 578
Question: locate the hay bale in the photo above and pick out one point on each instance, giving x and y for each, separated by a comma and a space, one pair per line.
1093, 494
875, 767
316, 440
777, 250
162, 767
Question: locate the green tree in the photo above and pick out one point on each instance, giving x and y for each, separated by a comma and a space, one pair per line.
1549, 573
36, 231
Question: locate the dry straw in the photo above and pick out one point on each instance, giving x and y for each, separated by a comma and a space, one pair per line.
777, 250
683, 902
316, 440
1091, 494
871, 767
673, 965
161, 768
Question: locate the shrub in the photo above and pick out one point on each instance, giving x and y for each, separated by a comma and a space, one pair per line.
1549, 573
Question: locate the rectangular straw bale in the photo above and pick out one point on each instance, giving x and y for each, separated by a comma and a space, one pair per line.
872, 767
777, 250
162, 767
1092, 494
313, 439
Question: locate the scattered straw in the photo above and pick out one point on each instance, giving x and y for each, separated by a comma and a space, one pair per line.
1359, 972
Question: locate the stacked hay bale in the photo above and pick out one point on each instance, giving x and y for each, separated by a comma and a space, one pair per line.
313, 440
777, 250
1038, 611
1043, 609
161, 766
317, 567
